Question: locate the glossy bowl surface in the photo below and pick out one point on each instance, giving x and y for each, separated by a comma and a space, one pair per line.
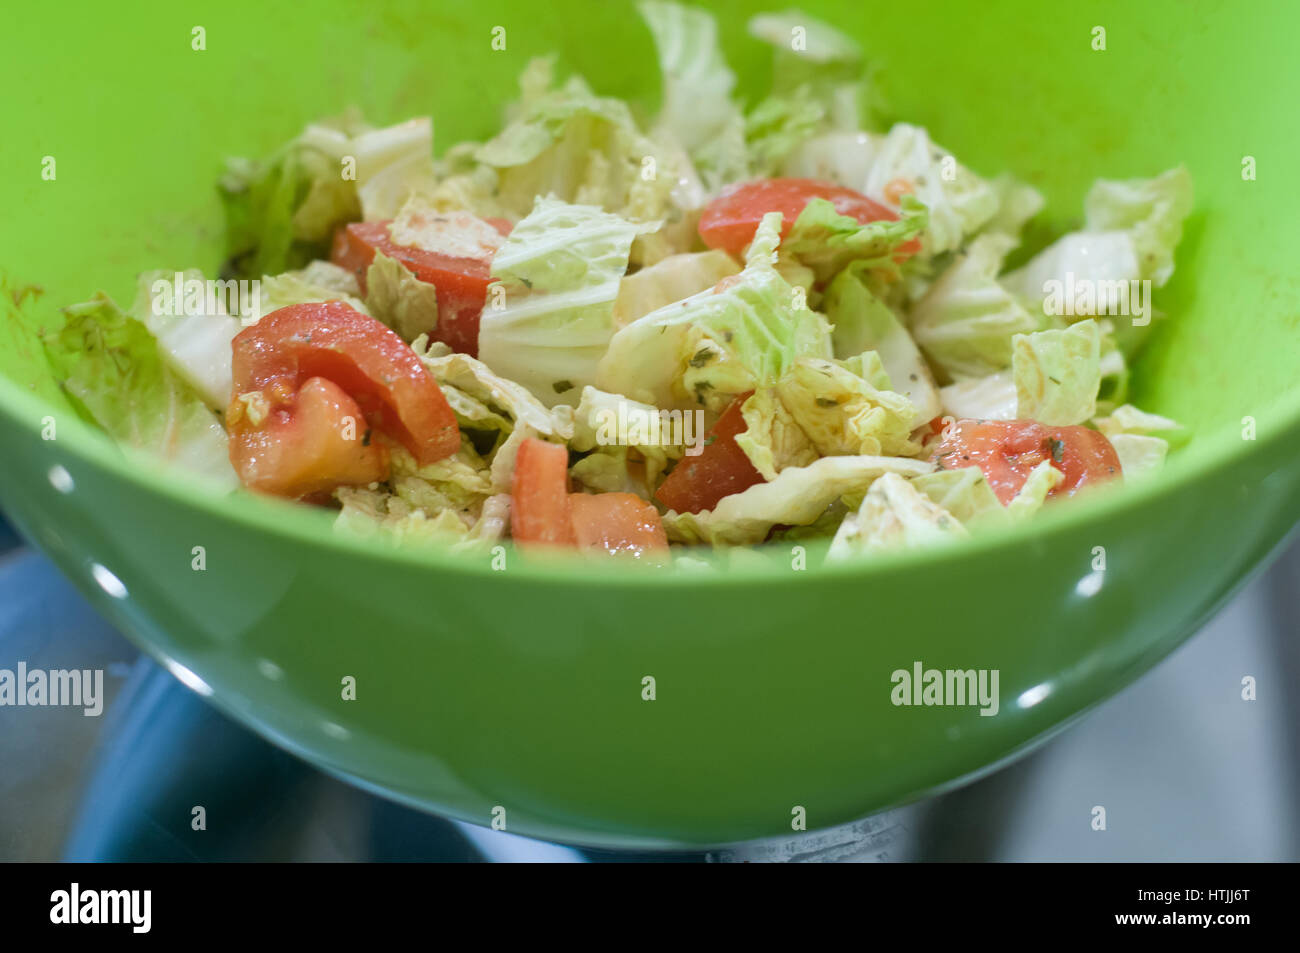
518, 693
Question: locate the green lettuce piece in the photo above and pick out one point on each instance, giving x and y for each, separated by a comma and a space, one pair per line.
843, 413
459, 483
602, 419
194, 341
697, 83
1018, 202
798, 496
319, 281
959, 201
827, 241
668, 280
282, 212
483, 399
895, 515
617, 470
822, 63
722, 342
773, 439
1057, 374
862, 322
1042, 480
842, 157
1065, 278
396, 297
559, 274
1152, 211
373, 513
1130, 231
965, 321
1128, 419
1133, 434
777, 126
1139, 455
966, 494
376, 513
981, 398
110, 363
582, 149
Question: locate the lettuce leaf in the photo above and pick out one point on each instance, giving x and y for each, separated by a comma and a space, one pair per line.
797, 497
1042, 480
697, 83
822, 408
965, 493
705, 350
862, 322
282, 212
821, 63
560, 271
965, 321
959, 201
396, 297
483, 399
895, 515
1151, 211
582, 149
195, 345
668, 280
1139, 455
1057, 374
981, 398
110, 363
827, 241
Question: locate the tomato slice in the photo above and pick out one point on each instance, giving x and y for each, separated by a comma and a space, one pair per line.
454, 259
310, 449
730, 220
618, 524
1007, 450
382, 378
698, 483
544, 513
539, 495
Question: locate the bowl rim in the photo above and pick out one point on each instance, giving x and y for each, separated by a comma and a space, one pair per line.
82, 444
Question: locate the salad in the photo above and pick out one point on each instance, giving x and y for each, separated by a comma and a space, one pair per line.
722, 325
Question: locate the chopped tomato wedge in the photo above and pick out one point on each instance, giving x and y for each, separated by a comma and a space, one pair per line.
539, 495
280, 401
698, 483
310, 449
544, 513
730, 220
617, 524
460, 270
1007, 450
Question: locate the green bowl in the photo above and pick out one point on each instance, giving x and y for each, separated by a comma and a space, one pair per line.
517, 695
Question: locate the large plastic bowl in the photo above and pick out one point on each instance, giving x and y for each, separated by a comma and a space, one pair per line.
521, 690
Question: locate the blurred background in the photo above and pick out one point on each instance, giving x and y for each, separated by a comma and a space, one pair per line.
1186, 769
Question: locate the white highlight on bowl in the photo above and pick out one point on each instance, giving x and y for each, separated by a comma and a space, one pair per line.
1032, 696
107, 581
186, 677
61, 479
335, 731
269, 669
1090, 584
